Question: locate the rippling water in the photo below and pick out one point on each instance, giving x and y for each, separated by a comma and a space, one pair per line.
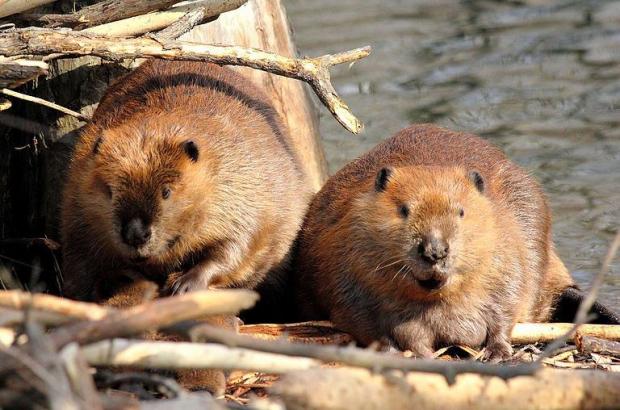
540, 78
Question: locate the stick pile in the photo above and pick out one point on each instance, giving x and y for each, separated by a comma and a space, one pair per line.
108, 29
55, 363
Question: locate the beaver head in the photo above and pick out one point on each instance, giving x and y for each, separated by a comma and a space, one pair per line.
147, 187
430, 227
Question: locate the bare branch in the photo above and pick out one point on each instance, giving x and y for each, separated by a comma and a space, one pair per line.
314, 71
44, 103
8, 8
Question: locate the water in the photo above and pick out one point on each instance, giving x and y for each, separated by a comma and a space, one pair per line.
540, 78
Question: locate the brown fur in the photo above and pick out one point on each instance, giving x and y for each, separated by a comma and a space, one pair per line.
232, 214
233, 210
357, 253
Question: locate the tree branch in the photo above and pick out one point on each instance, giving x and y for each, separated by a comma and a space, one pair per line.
314, 71
44, 103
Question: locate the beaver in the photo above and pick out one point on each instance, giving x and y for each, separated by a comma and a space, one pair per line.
432, 238
186, 178
185, 167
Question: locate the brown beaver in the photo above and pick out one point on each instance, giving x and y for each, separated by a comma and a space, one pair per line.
185, 167
186, 178
432, 238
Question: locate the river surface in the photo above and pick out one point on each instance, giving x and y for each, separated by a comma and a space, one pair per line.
540, 78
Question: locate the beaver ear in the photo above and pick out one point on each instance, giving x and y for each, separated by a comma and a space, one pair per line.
382, 179
96, 146
477, 179
191, 149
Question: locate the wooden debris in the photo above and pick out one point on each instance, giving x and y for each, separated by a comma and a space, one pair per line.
198, 10
526, 333
10, 7
306, 332
186, 355
15, 72
44, 103
314, 71
362, 389
155, 315
589, 344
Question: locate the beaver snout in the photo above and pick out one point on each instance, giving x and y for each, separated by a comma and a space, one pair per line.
432, 249
136, 233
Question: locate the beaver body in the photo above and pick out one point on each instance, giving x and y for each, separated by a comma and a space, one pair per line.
432, 238
185, 169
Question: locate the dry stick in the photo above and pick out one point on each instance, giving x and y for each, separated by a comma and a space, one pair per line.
45, 103
182, 25
186, 355
314, 71
5, 104
11, 7
102, 12
588, 344
528, 333
582, 313
39, 302
362, 357
137, 25
156, 314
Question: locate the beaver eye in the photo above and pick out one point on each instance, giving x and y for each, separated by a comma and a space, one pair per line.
461, 212
403, 210
165, 193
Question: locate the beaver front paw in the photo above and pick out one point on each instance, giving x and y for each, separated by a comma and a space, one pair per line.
192, 280
497, 351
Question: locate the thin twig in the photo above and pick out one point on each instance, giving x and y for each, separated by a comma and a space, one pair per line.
45, 103
582, 313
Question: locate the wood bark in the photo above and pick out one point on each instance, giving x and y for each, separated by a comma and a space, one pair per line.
333, 389
14, 73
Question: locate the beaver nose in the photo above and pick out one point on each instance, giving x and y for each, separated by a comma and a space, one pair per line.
433, 249
136, 233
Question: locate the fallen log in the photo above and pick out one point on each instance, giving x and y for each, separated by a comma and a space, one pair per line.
16, 72
347, 388
314, 71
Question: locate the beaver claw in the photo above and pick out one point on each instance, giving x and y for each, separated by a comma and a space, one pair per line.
190, 281
497, 352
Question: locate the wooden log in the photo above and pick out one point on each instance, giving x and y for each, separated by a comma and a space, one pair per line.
14, 73
155, 315
150, 22
10, 7
185, 355
328, 389
263, 24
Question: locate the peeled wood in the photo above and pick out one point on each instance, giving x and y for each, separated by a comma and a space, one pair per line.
10, 7
185, 355
51, 305
155, 315
361, 389
102, 12
150, 22
527, 333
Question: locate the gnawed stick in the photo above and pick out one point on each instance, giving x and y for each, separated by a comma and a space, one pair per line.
156, 314
137, 25
53, 305
528, 333
8, 8
185, 355
314, 71
357, 388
